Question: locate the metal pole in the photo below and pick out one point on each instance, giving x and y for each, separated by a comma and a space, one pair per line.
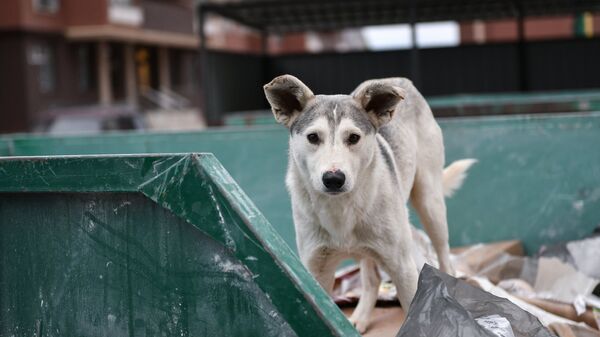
264, 33
414, 52
522, 62
204, 72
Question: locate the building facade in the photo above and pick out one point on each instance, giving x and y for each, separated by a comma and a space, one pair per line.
112, 57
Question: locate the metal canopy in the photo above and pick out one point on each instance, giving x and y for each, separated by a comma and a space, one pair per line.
288, 16
282, 16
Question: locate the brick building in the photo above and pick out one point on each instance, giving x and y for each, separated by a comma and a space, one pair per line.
535, 28
102, 57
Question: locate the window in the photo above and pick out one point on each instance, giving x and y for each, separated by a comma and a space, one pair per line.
46, 6
42, 56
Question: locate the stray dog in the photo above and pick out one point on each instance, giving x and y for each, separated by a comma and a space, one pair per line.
354, 162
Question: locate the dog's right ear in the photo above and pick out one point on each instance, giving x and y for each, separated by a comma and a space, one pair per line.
288, 96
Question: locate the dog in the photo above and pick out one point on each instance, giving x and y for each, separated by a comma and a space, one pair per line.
354, 163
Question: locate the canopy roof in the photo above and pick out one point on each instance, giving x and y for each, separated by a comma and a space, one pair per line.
280, 16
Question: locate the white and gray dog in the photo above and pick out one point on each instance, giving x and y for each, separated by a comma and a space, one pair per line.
354, 162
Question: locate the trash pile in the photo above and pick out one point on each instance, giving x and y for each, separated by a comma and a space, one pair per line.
498, 292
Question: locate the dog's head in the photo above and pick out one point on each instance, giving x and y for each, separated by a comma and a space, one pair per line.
332, 137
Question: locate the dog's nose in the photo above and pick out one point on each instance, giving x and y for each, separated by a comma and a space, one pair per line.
334, 180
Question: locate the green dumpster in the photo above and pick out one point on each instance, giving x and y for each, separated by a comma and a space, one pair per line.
146, 245
537, 178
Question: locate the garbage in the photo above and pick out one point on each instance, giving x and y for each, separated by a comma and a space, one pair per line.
585, 254
563, 310
559, 281
445, 306
496, 261
548, 286
496, 324
546, 318
581, 254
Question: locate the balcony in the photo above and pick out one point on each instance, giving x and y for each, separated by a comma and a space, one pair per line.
123, 13
170, 17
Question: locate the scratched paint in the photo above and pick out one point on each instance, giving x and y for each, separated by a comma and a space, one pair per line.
137, 271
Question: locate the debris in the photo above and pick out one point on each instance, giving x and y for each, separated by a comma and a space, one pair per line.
448, 307
585, 255
559, 281
562, 309
496, 324
548, 287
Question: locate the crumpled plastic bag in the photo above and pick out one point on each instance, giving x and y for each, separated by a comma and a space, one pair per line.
448, 307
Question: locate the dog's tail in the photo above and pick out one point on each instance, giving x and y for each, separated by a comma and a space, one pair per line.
455, 174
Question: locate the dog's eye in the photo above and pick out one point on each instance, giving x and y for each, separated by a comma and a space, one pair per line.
353, 139
313, 138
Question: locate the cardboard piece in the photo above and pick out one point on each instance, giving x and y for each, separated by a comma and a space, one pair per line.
562, 309
559, 281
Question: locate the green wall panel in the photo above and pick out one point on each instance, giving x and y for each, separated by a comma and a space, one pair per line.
5, 147
537, 178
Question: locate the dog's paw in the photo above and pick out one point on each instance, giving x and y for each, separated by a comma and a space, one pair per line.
360, 324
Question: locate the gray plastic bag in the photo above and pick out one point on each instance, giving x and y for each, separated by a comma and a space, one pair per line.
448, 307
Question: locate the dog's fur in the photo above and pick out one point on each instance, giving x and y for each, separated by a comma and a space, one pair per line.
399, 156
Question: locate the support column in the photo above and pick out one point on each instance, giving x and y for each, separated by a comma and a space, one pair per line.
164, 70
522, 58
105, 96
164, 75
207, 102
130, 81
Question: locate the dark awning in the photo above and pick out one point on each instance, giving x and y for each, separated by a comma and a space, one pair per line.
280, 16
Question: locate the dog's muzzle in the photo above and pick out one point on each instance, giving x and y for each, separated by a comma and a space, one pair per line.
334, 181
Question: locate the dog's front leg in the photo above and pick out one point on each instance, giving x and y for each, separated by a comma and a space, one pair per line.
370, 279
321, 263
398, 262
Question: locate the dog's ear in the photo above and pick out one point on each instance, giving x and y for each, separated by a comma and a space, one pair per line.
288, 96
379, 99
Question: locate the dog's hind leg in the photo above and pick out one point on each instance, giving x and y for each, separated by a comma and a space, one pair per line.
370, 279
427, 197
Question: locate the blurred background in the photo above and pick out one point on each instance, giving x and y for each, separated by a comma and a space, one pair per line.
95, 65
514, 83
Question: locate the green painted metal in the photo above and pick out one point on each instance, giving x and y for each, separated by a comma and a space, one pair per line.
153, 245
256, 158
522, 103
575, 97
537, 178
5, 147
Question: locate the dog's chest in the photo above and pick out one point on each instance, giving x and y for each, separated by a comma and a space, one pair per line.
339, 221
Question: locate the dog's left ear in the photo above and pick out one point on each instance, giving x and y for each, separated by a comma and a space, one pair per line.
379, 99
288, 97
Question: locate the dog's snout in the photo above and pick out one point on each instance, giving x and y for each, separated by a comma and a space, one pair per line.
334, 180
